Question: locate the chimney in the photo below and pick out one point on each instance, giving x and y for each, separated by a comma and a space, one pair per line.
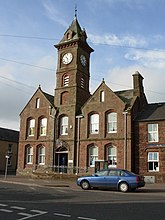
138, 84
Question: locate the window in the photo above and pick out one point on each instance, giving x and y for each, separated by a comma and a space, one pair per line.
66, 80
37, 102
41, 155
64, 125
93, 155
112, 122
94, 124
29, 155
153, 161
10, 149
31, 127
102, 96
153, 132
43, 126
9, 161
112, 161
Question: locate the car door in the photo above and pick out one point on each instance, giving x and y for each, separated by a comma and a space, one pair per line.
99, 179
112, 179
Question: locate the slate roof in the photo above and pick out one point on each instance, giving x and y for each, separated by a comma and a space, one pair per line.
75, 27
152, 112
49, 97
126, 96
9, 135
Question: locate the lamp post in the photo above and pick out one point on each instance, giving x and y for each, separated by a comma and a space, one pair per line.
78, 140
125, 139
7, 159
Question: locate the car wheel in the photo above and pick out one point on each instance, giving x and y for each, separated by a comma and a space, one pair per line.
85, 185
123, 187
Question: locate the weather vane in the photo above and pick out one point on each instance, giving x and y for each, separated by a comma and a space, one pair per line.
75, 10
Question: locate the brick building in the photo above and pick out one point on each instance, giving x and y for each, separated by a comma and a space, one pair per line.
150, 142
76, 130
8, 150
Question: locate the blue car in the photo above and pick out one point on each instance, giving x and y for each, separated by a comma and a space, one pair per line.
118, 179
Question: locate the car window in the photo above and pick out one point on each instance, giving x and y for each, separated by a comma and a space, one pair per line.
114, 173
122, 173
102, 173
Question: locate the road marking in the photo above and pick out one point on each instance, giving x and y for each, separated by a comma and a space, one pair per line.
86, 218
39, 212
62, 215
4, 205
5, 210
17, 207
27, 216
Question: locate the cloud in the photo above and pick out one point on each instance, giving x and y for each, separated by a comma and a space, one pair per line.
121, 41
154, 59
120, 78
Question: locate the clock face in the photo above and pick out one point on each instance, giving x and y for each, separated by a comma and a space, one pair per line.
67, 58
83, 60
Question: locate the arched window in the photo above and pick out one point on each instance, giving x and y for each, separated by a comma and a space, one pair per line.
41, 155
102, 96
94, 124
37, 102
111, 156
43, 126
29, 155
112, 122
93, 155
64, 125
31, 127
66, 80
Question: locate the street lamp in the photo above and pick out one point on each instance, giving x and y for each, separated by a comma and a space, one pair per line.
7, 159
78, 141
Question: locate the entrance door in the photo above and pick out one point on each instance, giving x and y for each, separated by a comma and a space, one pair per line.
61, 162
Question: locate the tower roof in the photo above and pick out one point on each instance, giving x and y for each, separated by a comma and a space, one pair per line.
74, 33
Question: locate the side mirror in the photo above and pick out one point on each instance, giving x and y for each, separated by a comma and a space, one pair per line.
95, 174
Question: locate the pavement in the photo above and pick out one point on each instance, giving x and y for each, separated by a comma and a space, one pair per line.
23, 180
60, 182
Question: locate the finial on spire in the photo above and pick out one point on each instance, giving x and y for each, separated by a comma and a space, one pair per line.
75, 10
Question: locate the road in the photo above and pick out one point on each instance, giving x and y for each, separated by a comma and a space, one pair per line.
20, 202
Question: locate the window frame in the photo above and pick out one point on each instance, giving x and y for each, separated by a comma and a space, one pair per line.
41, 155
112, 122
37, 102
153, 161
93, 156
29, 155
64, 125
94, 123
153, 135
43, 126
112, 156
102, 96
31, 127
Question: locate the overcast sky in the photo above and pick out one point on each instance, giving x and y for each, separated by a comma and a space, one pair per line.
127, 36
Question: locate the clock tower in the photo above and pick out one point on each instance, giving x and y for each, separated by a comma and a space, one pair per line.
72, 90
72, 75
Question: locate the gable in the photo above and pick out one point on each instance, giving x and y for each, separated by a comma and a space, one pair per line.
111, 100
45, 100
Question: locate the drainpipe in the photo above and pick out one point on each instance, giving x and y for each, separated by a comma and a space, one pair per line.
78, 141
125, 139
